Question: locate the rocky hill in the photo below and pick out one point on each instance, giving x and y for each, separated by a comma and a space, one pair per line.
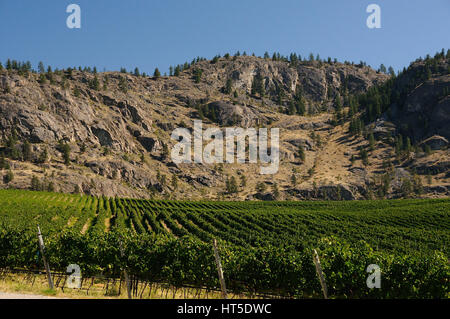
109, 133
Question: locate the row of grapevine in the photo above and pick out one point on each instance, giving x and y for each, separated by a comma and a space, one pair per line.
287, 271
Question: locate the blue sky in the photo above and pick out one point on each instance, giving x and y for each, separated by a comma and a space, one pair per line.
160, 33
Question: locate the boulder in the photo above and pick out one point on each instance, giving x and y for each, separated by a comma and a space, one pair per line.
383, 129
104, 137
150, 144
435, 142
233, 115
328, 192
203, 180
438, 190
264, 196
306, 143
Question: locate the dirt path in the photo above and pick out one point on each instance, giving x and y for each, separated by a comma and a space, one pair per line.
7, 295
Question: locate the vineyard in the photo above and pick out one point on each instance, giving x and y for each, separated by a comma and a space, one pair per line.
264, 246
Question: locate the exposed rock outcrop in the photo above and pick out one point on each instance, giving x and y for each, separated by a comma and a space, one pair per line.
120, 136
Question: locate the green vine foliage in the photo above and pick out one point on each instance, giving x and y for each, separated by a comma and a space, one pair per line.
264, 247
190, 261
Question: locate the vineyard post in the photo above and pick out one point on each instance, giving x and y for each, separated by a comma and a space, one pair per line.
127, 279
42, 249
320, 274
220, 270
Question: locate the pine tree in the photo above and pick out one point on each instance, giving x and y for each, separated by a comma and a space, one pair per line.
35, 184
292, 109
177, 70
94, 83
406, 187
243, 181
258, 85
42, 78
3, 163
76, 92
162, 180
43, 157
301, 108
276, 192
64, 148
371, 142
364, 156
165, 151
228, 86
50, 74
338, 103
261, 187
123, 84
174, 182
408, 146
11, 145
41, 67
27, 151
231, 185
215, 59
398, 145
8, 177
391, 71
198, 75
293, 180
156, 74
301, 153
299, 103
50, 187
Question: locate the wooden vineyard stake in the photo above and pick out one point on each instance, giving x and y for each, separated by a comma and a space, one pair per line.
220, 270
47, 267
127, 279
320, 274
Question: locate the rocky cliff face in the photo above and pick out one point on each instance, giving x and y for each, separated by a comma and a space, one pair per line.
119, 131
319, 81
426, 109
